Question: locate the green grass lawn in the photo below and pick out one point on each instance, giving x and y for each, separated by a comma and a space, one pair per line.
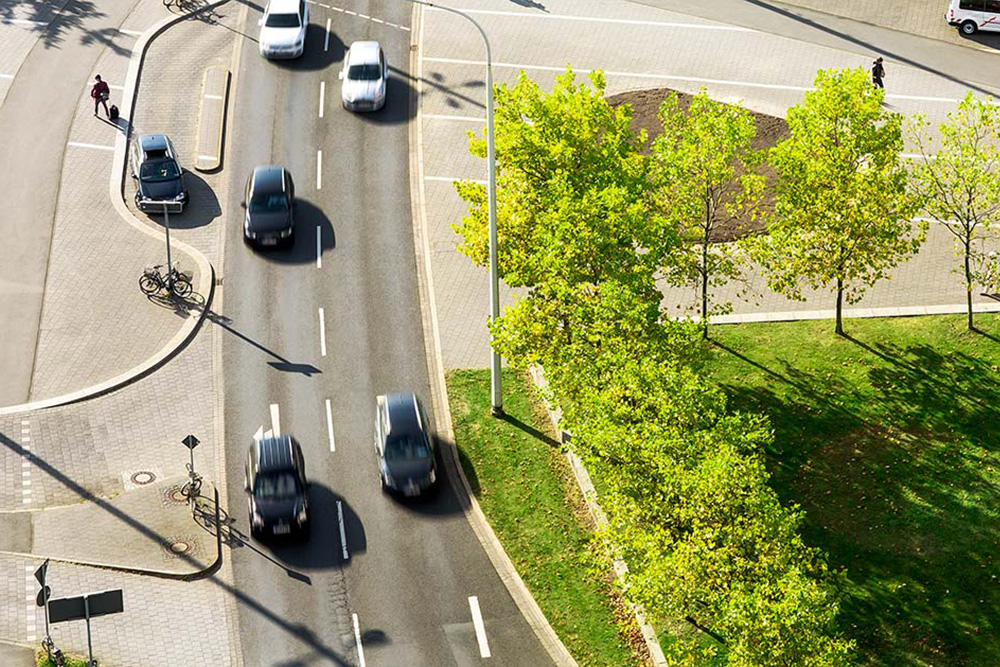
890, 441
526, 489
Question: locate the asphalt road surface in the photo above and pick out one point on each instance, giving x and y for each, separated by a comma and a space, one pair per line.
402, 595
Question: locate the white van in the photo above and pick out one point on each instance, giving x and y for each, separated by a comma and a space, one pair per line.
973, 15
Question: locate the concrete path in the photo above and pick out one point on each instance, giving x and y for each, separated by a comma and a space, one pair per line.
12, 655
639, 46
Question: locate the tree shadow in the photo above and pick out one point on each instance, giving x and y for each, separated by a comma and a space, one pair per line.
530, 4
436, 80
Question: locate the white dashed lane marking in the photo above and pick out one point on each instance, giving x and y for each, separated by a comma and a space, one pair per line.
322, 333
477, 621
329, 426
343, 530
357, 638
275, 420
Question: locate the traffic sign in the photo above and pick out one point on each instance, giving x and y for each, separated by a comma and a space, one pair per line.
86, 606
43, 595
40, 572
190, 442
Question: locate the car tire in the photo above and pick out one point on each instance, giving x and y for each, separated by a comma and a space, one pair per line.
968, 28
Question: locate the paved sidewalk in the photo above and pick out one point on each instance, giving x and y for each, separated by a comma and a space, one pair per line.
638, 47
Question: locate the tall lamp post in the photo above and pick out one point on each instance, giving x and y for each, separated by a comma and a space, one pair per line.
496, 394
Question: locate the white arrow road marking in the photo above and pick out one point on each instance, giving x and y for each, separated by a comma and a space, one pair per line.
329, 425
343, 532
477, 620
259, 433
275, 420
357, 638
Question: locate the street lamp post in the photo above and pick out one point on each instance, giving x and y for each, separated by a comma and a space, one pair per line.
496, 394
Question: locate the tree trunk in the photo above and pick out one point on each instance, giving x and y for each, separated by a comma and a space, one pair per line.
968, 287
840, 306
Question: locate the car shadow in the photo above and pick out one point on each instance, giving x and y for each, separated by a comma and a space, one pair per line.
324, 548
303, 249
397, 107
441, 500
315, 57
984, 39
202, 208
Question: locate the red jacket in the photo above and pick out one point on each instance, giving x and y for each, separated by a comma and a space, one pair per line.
100, 88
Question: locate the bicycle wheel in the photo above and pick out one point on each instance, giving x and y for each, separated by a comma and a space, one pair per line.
149, 284
182, 286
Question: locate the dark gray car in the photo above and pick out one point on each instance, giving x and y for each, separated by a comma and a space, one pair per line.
269, 201
158, 175
276, 486
407, 454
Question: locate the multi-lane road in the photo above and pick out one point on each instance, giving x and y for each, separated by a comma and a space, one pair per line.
317, 332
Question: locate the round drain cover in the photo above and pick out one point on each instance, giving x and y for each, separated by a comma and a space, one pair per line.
177, 495
179, 547
143, 477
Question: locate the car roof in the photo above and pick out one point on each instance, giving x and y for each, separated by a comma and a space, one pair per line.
364, 52
274, 454
283, 7
154, 142
268, 178
404, 417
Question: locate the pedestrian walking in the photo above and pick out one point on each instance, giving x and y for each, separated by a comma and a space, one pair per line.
100, 92
877, 73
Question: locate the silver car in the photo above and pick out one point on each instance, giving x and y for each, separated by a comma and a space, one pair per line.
364, 77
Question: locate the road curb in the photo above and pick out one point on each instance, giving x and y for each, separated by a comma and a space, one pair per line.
502, 564
206, 272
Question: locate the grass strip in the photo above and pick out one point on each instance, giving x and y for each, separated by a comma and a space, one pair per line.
526, 489
889, 439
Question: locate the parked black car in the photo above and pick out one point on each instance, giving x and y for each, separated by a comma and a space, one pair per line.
276, 486
407, 454
269, 202
158, 175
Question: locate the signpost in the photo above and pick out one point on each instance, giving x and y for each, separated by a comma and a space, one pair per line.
43, 595
86, 607
193, 487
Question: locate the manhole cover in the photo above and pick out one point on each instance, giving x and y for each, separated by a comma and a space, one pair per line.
143, 478
176, 496
178, 547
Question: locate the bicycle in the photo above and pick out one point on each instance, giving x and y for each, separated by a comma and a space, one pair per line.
192, 488
154, 280
56, 654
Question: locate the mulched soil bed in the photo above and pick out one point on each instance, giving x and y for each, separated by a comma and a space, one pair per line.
646, 106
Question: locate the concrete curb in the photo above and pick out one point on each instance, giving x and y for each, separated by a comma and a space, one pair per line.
194, 575
470, 507
206, 273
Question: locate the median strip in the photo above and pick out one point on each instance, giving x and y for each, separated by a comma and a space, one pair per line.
211, 118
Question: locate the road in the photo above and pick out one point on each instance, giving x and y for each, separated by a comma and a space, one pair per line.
411, 567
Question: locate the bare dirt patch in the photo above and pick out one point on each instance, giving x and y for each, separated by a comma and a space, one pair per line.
770, 130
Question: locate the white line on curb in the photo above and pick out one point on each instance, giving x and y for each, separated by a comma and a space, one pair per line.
275, 420
671, 77
322, 96
80, 144
130, 33
597, 19
329, 426
357, 637
471, 119
6, 76
326, 41
452, 179
319, 247
322, 334
22, 22
319, 170
343, 538
477, 620
212, 96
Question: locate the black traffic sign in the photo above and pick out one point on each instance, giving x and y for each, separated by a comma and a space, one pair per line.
42, 596
74, 609
190, 442
40, 572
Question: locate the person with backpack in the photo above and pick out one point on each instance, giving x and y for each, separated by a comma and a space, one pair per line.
101, 92
877, 73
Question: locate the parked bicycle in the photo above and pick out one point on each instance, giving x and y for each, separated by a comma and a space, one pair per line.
154, 280
192, 488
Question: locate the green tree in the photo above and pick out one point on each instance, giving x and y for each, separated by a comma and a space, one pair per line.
960, 184
703, 168
843, 211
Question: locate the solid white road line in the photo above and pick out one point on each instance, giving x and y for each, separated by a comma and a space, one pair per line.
80, 144
329, 426
326, 41
322, 97
343, 533
322, 333
319, 170
477, 620
357, 637
319, 247
597, 19
672, 77
471, 119
275, 420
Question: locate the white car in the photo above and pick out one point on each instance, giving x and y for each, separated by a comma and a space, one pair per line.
364, 77
283, 29
971, 16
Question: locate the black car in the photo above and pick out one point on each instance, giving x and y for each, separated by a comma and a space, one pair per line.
269, 202
158, 175
276, 487
407, 454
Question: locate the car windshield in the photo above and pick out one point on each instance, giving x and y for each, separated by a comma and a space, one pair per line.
282, 21
406, 447
163, 170
270, 203
276, 486
366, 72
